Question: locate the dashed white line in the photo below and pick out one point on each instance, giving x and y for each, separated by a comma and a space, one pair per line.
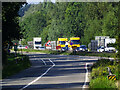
39, 76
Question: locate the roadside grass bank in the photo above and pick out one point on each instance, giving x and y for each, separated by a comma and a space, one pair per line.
103, 54
98, 76
15, 64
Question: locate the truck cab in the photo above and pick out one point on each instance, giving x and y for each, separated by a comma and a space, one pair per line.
74, 43
37, 42
61, 43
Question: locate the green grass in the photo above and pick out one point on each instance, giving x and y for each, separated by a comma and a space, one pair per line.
99, 74
102, 82
15, 65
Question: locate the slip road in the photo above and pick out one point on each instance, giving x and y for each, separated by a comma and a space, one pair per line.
52, 72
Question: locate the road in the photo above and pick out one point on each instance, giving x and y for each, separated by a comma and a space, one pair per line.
52, 72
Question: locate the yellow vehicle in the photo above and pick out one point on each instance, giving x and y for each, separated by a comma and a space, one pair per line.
74, 43
61, 43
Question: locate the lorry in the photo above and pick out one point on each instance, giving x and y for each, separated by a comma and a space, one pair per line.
37, 42
74, 43
61, 44
93, 45
108, 47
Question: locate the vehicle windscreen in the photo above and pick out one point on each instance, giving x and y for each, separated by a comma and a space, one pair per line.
37, 42
83, 47
62, 42
75, 41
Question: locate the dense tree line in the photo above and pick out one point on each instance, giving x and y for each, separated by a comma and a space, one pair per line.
66, 19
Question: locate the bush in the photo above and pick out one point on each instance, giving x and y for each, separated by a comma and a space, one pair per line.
100, 71
102, 62
102, 82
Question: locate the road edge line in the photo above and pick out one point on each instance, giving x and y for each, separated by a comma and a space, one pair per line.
86, 76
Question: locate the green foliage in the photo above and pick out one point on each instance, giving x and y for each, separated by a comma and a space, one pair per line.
100, 72
103, 83
10, 26
102, 62
67, 19
13, 67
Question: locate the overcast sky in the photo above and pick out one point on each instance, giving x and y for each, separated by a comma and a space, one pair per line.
36, 1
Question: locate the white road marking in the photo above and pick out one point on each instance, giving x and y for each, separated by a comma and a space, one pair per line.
39, 76
52, 62
43, 61
86, 77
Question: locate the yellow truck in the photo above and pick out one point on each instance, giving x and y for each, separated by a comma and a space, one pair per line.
74, 43
61, 44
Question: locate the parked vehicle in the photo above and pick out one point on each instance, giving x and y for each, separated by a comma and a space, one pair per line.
106, 49
83, 48
22, 47
101, 49
37, 42
74, 43
61, 43
110, 49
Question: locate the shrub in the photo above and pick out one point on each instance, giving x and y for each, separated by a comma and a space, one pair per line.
102, 82
100, 71
102, 62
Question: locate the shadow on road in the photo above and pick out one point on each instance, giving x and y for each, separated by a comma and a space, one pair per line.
61, 86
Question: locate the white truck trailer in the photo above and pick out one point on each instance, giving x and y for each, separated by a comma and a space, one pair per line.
37, 42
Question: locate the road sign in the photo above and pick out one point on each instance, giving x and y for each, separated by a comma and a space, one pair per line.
111, 77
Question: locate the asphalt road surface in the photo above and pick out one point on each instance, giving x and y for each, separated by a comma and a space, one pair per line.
52, 72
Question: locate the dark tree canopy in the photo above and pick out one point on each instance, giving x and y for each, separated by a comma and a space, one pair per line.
10, 25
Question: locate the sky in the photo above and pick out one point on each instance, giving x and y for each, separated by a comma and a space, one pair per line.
36, 1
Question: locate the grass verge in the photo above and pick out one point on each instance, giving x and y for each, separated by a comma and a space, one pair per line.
99, 74
15, 64
103, 54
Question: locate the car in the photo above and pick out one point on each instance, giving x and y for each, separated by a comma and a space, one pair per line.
22, 47
110, 49
101, 49
63, 49
41, 48
106, 49
83, 48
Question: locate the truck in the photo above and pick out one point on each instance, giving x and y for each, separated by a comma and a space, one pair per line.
108, 47
37, 42
61, 44
74, 43
93, 45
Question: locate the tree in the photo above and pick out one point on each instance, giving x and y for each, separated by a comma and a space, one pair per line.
10, 27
